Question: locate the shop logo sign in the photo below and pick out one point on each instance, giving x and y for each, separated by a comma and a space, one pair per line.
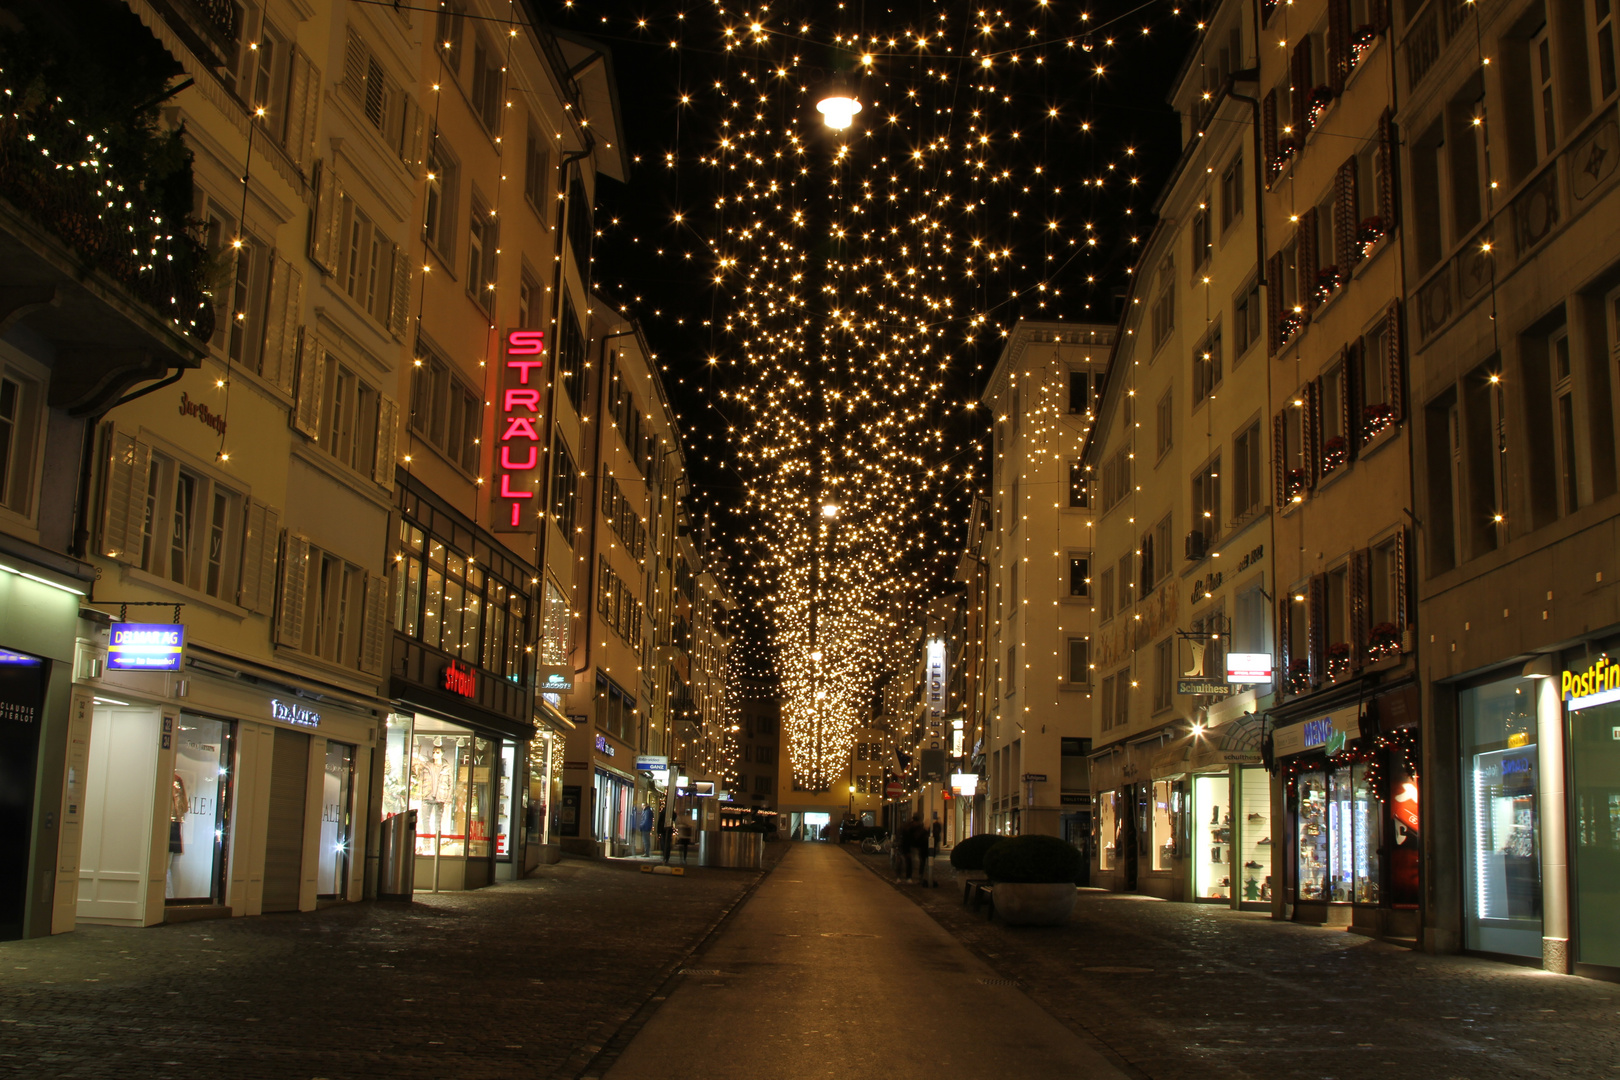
459, 678
603, 746
294, 714
1318, 732
1597, 685
517, 450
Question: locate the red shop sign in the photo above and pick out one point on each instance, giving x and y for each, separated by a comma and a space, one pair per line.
459, 678
517, 449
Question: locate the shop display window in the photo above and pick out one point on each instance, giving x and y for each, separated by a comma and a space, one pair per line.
480, 771
1501, 827
1107, 833
1594, 754
540, 781
396, 784
1340, 830
200, 793
337, 792
1212, 836
1167, 798
504, 802
612, 810
1254, 832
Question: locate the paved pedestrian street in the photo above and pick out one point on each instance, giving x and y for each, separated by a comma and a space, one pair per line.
819, 968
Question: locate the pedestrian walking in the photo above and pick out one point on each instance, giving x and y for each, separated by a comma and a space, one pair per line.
644, 826
914, 845
683, 839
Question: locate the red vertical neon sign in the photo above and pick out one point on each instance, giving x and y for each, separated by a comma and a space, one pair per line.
517, 451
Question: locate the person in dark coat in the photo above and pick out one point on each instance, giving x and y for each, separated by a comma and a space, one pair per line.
914, 844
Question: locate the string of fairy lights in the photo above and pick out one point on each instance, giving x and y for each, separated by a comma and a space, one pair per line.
876, 203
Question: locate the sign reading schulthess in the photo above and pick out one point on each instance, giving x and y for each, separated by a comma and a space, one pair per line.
146, 646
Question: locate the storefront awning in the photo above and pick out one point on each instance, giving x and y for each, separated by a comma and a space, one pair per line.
549, 713
1236, 743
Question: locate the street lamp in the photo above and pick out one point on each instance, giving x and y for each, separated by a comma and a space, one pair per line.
838, 104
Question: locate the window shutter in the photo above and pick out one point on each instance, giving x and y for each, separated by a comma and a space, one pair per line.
1300, 75
1274, 298
1387, 147
1360, 604
374, 634
1285, 614
282, 323
399, 312
258, 576
1393, 357
306, 414
322, 244
1279, 460
1379, 13
603, 582
1350, 397
1403, 555
355, 67
382, 466
294, 574
1305, 260
123, 510
1314, 631
412, 128
1338, 44
1346, 221
303, 102
1311, 432
1268, 133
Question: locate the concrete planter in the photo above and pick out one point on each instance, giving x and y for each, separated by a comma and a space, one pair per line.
1028, 903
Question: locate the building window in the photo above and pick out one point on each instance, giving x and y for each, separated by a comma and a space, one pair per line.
486, 85
1164, 424
1155, 556
439, 213
370, 265
382, 102
571, 355
1164, 674
1206, 367
564, 490
1200, 234
1332, 395
191, 530
1116, 478
537, 172
1206, 508
1105, 593
1541, 81
1079, 662
481, 245
1563, 396
333, 608
1079, 493
1079, 575
459, 605
1245, 472
446, 413
1603, 40
1164, 307
1246, 316
351, 414
1012, 671
1079, 393
1123, 576
1232, 191
19, 435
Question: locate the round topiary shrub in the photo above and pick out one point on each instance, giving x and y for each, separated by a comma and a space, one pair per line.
1040, 859
969, 854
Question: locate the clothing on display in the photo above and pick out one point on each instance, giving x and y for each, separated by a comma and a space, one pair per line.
1339, 825
1212, 809
1107, 843
198, 799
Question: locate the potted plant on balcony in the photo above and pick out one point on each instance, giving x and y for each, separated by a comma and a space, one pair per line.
1321, 98
1338, 660
1034, 879
1335, 452
1383, 641
1299, 675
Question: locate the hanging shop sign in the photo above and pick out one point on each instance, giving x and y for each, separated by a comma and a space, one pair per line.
146, 646
289, 713
519, 421
1329, 733
652, 763
1201, 686
936, 679
460, 679
965, 783
1245, 668
1598, 684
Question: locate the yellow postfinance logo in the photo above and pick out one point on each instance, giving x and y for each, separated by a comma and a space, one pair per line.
1601, 680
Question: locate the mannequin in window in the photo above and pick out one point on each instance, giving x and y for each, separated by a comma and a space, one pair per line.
177, 815
436, 781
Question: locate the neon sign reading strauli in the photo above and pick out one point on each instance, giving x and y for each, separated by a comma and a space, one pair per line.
145, 646
517, 461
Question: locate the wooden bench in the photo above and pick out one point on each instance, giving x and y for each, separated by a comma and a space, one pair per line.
978, 891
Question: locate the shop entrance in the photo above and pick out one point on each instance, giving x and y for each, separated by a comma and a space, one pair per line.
1212, 836
1130, 829
118, 791
337, 821
22, 700
284, 842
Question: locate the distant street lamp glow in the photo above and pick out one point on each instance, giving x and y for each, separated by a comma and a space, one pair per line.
838, 105
829, 510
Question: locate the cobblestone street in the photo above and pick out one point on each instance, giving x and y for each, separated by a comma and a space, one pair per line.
1196, 992
525, 979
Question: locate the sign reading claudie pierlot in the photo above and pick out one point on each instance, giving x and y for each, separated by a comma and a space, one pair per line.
521, 420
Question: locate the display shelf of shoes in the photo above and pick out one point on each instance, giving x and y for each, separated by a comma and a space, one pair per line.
1220, 839
1255, 850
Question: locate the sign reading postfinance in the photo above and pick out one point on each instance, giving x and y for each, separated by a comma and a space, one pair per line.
1599, 684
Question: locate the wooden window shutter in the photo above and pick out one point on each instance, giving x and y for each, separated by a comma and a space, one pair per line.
1393, 357
1379, 13
1305, 260
1338, 44
1388, 146
412, 132
306, 413
257, 588
281, 323
1285, 638
322, 218
399, 311
1403, 560
603, 580
374, 634
1311, 432
1360, 604
1279, 459
303, 104
1274, 298
1315, 632
294, 577
382, 466
1349, 395
1355, 413
1268, 133
1299, 69
123, 507
1346, 221
356, 66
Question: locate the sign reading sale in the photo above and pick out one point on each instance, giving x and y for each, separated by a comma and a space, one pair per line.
519, 423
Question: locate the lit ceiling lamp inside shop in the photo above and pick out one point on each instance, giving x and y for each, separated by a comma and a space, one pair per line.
838, 104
